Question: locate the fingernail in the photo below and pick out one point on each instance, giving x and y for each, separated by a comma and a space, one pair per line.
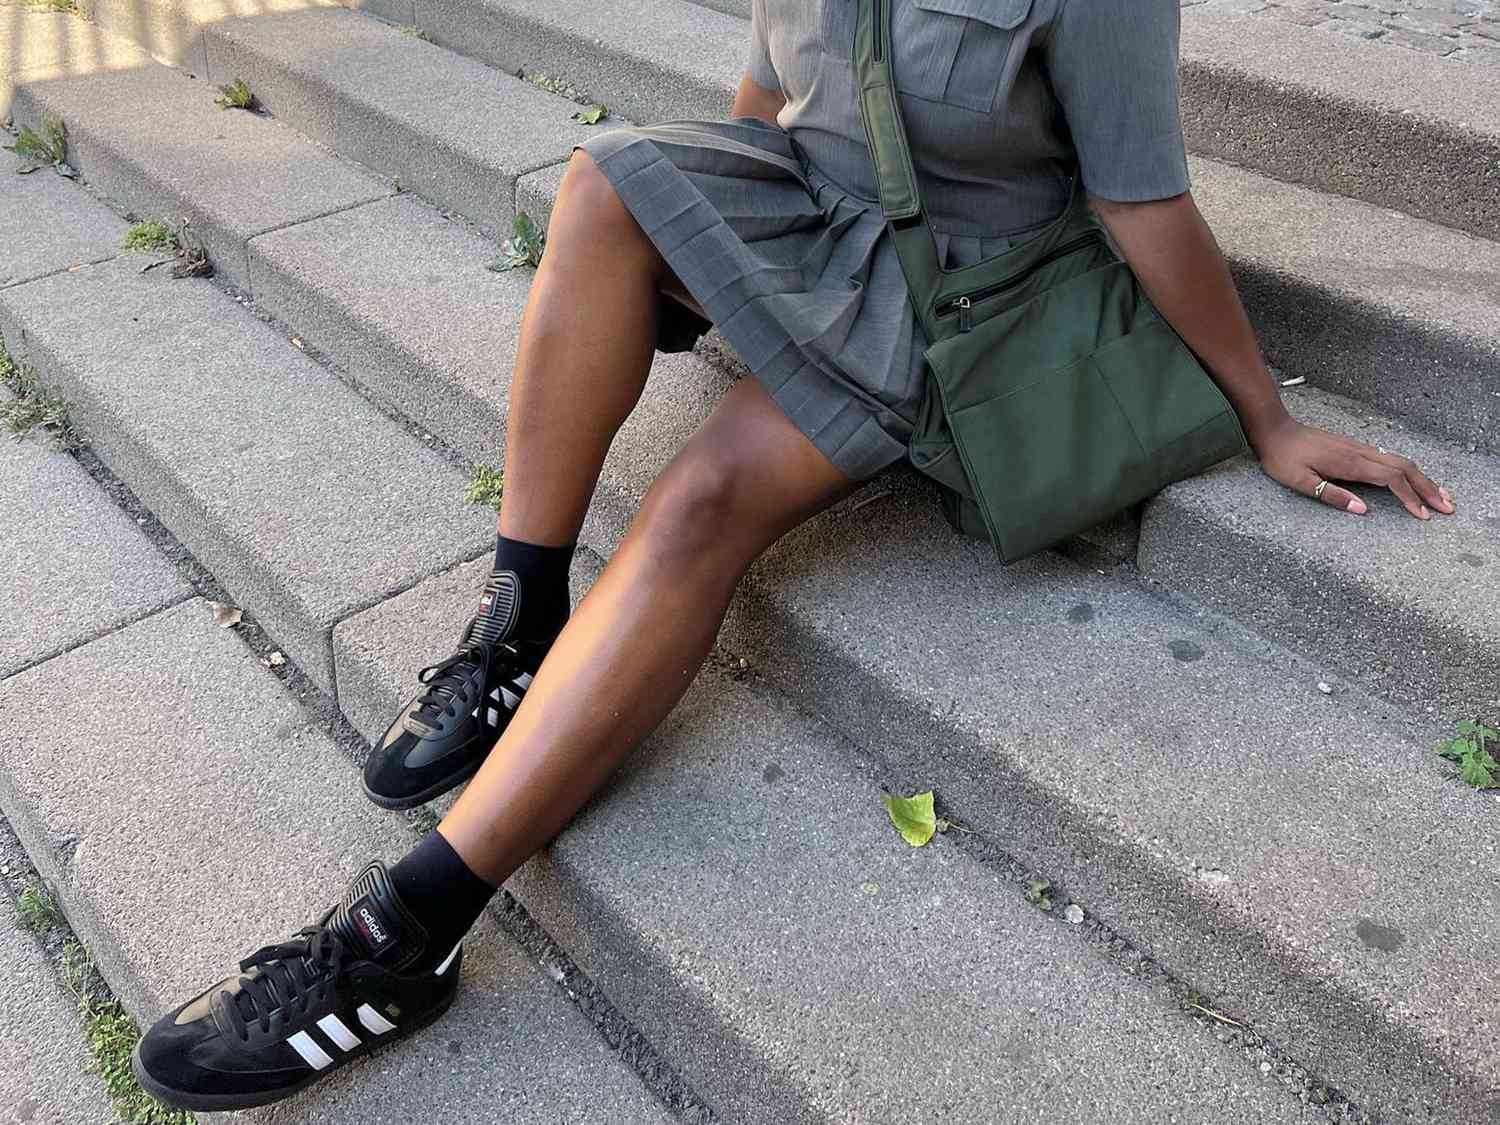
1426, 515
1357, 506
1447, 497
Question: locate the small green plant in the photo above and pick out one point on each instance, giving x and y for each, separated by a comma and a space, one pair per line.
1038, 893
38, 910
592, 115
412, 31
487, 487
235, 95
50, 5
149, 237
112, 1036
33, 406
555, 86
523, 248
41, 152
189, 257
1471, 751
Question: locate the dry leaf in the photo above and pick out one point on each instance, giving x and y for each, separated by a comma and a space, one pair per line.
226, 616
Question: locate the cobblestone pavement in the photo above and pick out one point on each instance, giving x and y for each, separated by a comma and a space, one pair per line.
1463, 30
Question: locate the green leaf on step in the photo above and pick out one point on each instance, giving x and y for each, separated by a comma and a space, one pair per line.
523, 248
913, 817
591, 116
1456, 749
1479, 770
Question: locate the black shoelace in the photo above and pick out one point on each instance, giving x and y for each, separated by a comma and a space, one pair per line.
292, 975
447, 678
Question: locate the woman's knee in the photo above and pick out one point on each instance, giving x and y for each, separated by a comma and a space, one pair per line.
696, 508
589, 208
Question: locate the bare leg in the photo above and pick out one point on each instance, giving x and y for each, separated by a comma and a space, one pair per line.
585, 350
636, 642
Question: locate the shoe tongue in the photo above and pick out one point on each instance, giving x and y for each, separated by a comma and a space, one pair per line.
499, 607
375, 925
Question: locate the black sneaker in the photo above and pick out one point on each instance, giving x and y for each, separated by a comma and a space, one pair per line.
443, 735
301, 1010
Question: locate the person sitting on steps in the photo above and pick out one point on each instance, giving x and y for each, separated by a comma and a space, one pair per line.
767, 226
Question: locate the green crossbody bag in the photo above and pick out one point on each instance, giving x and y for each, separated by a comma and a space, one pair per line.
1057, 395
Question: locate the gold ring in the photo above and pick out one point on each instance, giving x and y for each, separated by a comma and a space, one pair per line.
1318, 492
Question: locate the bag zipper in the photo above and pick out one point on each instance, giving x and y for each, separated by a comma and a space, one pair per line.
964, 305
878, 18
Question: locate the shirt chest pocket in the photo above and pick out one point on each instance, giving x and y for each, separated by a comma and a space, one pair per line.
951, 51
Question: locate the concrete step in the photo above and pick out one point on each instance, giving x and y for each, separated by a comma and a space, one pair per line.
1386, 599
304, 500
1396, 312
156, 145
740, 893
40, 45
46, 1079
1396, 128
447, 127
202, 813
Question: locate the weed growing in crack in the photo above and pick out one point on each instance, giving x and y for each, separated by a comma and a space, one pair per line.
150, 237
487, 487
235, 95
1470, 751
523, 248
189, 257
34, 406
37, 910
41, 151
112, 1036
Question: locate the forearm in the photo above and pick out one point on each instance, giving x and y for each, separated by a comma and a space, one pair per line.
1173, 253
754, 100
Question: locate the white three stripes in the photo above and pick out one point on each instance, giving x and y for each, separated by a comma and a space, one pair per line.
339, 1034
313, 1055
334, 1028
373, 1020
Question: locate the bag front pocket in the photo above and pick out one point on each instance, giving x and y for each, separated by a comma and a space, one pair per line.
1050, 458
955, 51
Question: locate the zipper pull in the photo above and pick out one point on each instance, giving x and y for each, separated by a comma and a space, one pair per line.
965, 317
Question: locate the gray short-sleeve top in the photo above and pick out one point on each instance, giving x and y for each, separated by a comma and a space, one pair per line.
1003, 100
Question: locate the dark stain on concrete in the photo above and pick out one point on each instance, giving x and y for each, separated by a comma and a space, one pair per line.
1471, 559
1081, 614
1387, 939
1185, 651
772, 773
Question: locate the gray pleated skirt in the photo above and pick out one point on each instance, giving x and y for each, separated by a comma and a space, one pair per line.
798, 275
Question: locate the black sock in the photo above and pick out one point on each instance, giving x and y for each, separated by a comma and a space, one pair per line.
543, 574
439, 889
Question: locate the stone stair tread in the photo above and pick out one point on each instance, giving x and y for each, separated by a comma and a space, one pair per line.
204, 813
740, 892
154, 141
1412, 605
46, 1079
304, 500
669, 59
47, 225
1397, 128
41, 45
1196, 788
1365, 301
446, 126
74, 565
